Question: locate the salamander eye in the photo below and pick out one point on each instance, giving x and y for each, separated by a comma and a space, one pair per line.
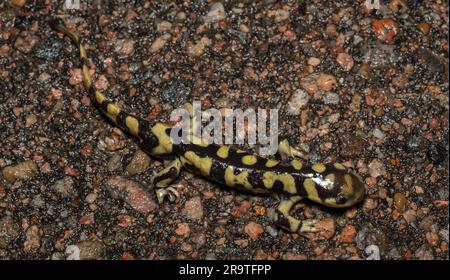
341, 199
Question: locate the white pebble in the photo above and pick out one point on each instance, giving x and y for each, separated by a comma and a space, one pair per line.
297, 101
378, 134
216, 13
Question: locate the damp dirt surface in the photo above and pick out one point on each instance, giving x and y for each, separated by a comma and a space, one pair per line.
363, 85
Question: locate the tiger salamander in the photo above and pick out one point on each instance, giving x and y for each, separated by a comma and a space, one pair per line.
327, 184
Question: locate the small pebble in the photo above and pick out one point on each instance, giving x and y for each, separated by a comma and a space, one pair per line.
399, 200
19, 3
21, 171
76, 76
64, 187
32, 240
385, 29
183, 229
216, 13
89, 250
114, 163
376, 168
410, 216
243, 243
254, 230
398, 6
163, 26
272, 231
348, 233
370, 204
193, 208
30, 120
102, 83
326, 82
124, 47
297, 101
378, 134
313, 61
424, 28
139, 163
4, 50
90, 198
345, 61
26, 41
281, 15
244, 28
159, 43
130, 191
196, 50
330, 98
186, 247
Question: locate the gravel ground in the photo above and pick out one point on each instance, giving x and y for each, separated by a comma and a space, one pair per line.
367, 87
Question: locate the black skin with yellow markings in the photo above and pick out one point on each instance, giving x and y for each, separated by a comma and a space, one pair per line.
331, 185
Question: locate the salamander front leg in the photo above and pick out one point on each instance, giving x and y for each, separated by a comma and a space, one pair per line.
163, 179
284, 219
287, 153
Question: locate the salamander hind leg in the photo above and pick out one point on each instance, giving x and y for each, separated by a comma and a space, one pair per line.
285, 220
163, 179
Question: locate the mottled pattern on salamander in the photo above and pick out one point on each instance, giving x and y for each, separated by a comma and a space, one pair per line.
331, 185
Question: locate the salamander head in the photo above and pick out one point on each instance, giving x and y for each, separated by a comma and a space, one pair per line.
351, 190
337, 189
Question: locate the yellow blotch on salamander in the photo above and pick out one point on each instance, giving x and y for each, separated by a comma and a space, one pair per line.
132, 124
318, 167
269, 179
330, 201
202, 164
311, 190
99, 97
297, 164
242, 178
83, 51
86, 77
249, 160
284, 207
112, 111
165, 143
271, 163
347, 188
339, 166
223, 152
